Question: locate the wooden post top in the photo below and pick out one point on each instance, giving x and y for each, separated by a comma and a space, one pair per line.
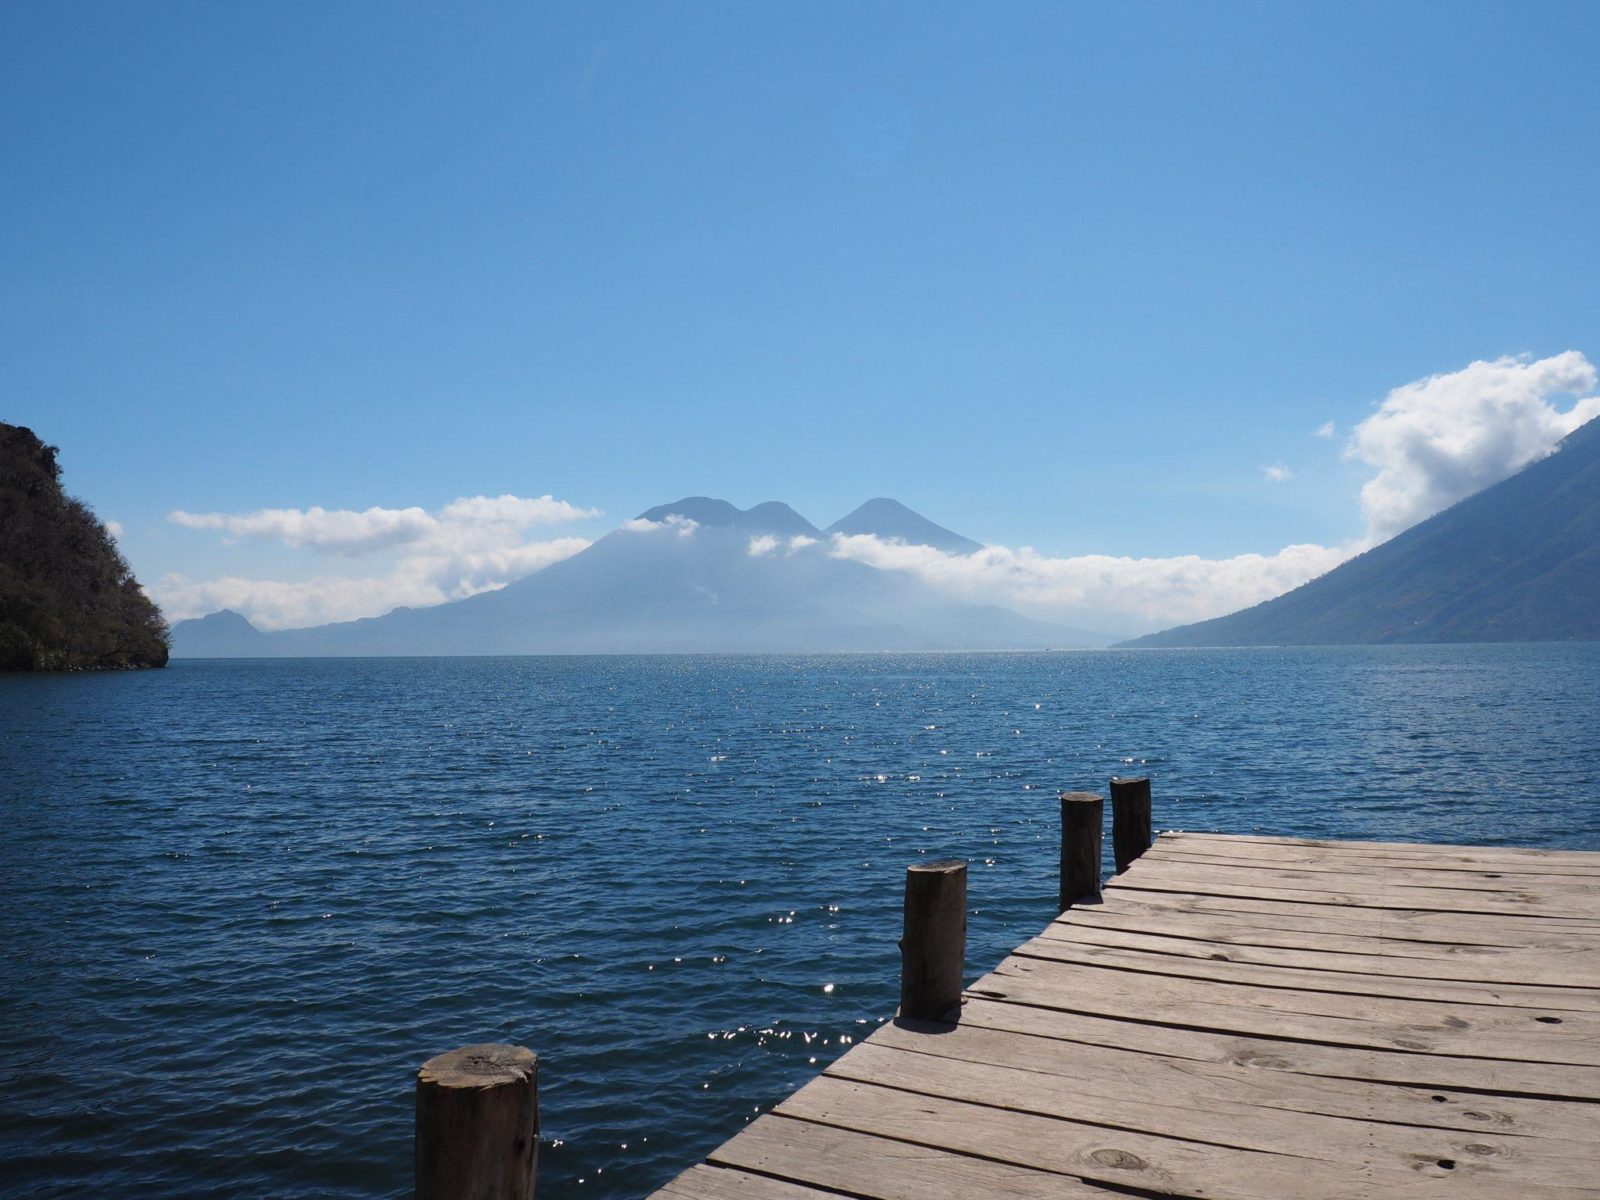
1130, 779
1081, 797
485, 1065
944, 866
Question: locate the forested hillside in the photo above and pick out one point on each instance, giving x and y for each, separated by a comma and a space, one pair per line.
68, 600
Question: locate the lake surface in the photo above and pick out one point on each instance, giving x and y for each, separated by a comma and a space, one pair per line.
240, 902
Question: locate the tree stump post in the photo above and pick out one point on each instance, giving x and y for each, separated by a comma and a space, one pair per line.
478, 1124
933, 948
1130, 819
1082, 831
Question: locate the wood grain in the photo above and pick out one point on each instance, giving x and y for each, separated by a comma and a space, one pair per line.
1243, 1018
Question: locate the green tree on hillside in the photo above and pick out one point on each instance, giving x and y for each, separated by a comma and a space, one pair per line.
68, 600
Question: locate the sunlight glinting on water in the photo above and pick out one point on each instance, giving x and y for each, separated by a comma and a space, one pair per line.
257, 895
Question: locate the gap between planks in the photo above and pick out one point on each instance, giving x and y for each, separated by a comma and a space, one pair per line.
1241, 1019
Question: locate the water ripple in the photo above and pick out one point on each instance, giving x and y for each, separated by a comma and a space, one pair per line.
240, 902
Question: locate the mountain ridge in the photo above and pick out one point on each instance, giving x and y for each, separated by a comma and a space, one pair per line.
770, 516
1517, 561
892, 521
659, 585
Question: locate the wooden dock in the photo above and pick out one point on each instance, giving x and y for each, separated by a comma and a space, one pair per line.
1237, 1018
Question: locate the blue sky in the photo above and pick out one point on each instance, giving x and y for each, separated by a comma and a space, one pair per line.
1066, 276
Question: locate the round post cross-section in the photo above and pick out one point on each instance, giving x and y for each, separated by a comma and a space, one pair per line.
478, 1124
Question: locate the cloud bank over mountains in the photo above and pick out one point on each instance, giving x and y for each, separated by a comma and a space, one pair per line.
1145, 592
1429, 444
354, 534
473, 544
675, 522
767, 543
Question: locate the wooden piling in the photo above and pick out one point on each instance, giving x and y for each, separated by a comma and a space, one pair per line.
478, 1124
1371, 1020
1082, 825
1130, 819
933, 948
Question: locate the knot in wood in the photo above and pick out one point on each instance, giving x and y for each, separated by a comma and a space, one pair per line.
1120, 1160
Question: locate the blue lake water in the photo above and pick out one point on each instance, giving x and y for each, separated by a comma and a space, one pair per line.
240, 902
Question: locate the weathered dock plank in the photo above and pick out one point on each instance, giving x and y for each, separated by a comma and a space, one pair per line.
1570, 975
1239, 1019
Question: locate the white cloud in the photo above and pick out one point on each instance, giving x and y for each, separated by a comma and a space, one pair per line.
1440, 439
473, 544
521, 511
1148, 590
337, 531
416, 581
114, 528
1431, 442
676, 522
766, 543
356, 534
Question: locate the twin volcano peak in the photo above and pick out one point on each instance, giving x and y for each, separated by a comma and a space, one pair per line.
881, 517
773, 516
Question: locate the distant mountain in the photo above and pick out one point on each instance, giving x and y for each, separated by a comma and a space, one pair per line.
224, 634
893, 521
735, 581
68, 600
772, 517
1518, 562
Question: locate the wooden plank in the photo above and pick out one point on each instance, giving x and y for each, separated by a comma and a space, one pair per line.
1420, 850
1333, 933
704, 1182
1185, 1109
1356, 974
1470, 865
1351, 879
1575, 967
1473, 878
1239, 1018
1372, 845
1163, 877
1212, 1067
1480, 1031
1232, 965
1494, 1079
1468, 929
863, 1165
1129, 1159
